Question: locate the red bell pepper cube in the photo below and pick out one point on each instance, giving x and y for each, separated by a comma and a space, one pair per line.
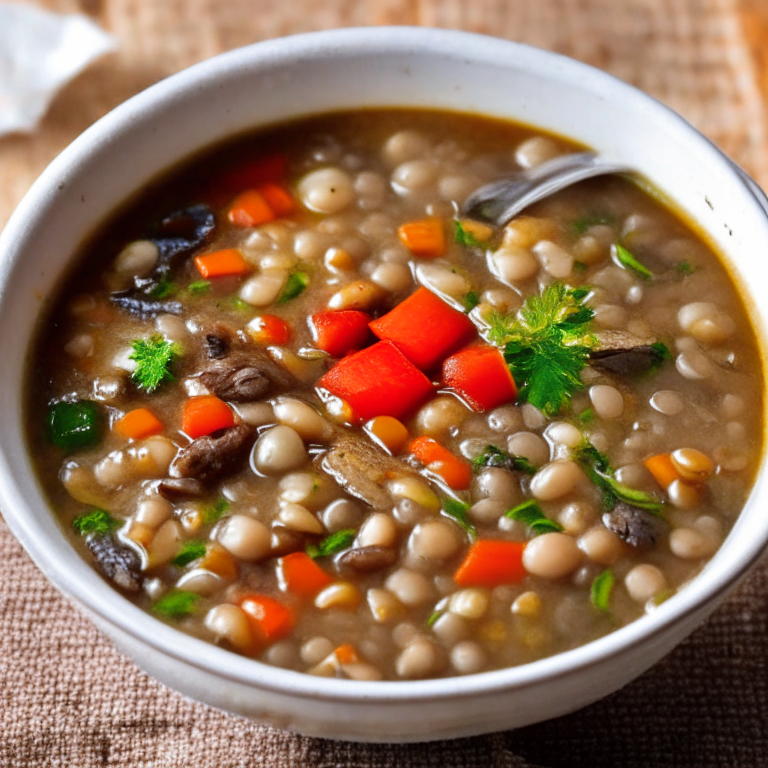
490, 563
425, 328
341, 331
377, 381
481, 376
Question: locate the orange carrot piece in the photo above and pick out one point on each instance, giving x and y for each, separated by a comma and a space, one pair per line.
456, 473
222, 264
268, 330
217, 560
425, 237
490, 563
268, 618
250, 209
389, 432
206, 414
299, 574
278, 198
346, 654
138, 424
663, 470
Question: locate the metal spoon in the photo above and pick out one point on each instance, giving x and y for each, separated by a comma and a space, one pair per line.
499, 201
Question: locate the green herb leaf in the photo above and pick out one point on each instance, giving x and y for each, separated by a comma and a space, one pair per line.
213, 512
470, 300
163, 289
580, 226
336, 542
199, 287
75, 425
546, 345
294, 286
586, 416
190, 551
600, 592
495, 457
625, 259
95, 521
463, 236
433, 617
153, 357
684, 268
580, 266
529, 512
458, 511
176, 605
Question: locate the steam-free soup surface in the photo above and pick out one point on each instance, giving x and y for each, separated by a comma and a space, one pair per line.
290, 401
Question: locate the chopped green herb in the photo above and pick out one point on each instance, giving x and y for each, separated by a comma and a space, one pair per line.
75, 425
213, 512
600, 592
95, 521
684, 268
580, 266
580, 226
662, 353
586, 416
198, 287
546, 345
153, 357
294, 286
176, 605
463, 236
625, 259
495, 457
241, 306
433, 617
458, 511
599, 470
470, 300
330, 545
190, 550
163, 289
529, 512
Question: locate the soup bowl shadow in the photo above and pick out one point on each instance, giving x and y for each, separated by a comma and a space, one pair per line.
321, 72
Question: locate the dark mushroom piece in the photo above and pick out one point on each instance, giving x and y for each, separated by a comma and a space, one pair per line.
367, 559
142, 306
244, 376
637, 527
181, 488
625, 354
117, 561
212, 456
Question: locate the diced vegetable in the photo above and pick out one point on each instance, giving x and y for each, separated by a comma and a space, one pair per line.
268, 330
278, 198
299, 574
95, 521
269, 619
377, 381
154, 357
425, 238
294, 286
530, 513
663, 469
491, 563
340, 332
205, 415
346, 654
138, 424
218, 560
425, 328
600, 591
481, 376
75, 425
251, 175
189, 552
250, 209
333, 544
456, 472
388, 432
226, 263
176, 604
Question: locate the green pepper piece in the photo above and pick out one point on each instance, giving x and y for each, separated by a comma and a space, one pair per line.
74, 425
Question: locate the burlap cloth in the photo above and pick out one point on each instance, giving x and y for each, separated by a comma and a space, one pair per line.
67, 698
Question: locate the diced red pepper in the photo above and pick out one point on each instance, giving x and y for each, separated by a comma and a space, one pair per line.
299, 574
377, 381
205, 415
340, 332
425, 328
268, 618
455, 472
268, 330
266, 169
481, 376
490, 563
279, 199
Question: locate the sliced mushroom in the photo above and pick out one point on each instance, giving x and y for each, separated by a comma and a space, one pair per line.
245, 376
368, 559
210, 457
636, 526
182, 488
623, 353
118, 562
285, 541
142, 306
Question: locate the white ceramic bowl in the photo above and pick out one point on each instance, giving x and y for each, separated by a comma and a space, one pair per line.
279, 80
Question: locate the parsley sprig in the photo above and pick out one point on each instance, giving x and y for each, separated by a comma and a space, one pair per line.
529, 513
95, 521
153, 357
546, 345
333, 544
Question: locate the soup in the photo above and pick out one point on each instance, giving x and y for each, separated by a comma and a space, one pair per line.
291, 401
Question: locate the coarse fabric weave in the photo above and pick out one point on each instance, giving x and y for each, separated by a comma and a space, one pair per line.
68, 699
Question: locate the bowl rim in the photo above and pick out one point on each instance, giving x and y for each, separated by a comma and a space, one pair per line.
90, 590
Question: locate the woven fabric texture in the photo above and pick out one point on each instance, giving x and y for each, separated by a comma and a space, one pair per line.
68, 699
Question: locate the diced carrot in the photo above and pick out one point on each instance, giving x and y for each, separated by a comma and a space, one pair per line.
250, 209
377, 381
217, 560
389, 432
490, 563
481, 376
222, 264
662, 469
340, 332
268, 618
456, 472
205, 415
299, 574
425, 328
253, 174
138, 424
425, 237
278, 198
346, 654
269, 330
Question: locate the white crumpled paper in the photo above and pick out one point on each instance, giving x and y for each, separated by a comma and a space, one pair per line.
39, 53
